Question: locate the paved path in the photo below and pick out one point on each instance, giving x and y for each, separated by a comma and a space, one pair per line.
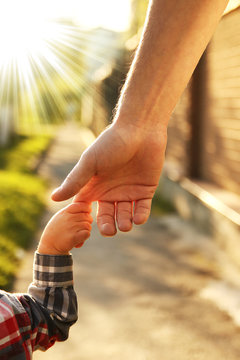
142, 295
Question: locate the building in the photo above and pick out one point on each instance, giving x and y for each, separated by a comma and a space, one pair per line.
202, 170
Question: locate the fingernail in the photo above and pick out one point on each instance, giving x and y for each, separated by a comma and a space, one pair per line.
108, 230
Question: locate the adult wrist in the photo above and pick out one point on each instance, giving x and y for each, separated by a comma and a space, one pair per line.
139, 128
141, 120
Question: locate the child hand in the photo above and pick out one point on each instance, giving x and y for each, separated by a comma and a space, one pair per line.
68, 228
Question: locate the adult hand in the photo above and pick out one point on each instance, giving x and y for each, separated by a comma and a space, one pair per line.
121, 171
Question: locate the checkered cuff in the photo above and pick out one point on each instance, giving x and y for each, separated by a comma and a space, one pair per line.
52, 270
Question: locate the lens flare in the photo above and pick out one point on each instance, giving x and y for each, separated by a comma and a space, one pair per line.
40, 61
47, 60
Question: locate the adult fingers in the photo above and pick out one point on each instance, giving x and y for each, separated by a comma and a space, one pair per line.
76, 179
124, 215
142, 211
106, 218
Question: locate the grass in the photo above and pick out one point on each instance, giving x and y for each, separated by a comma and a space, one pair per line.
160, 206
21, 200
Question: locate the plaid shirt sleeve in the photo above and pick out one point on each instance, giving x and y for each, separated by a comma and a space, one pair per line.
36, 320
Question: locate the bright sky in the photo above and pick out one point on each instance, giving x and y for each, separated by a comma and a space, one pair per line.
31, 41
25, 25
30, 37
112, 14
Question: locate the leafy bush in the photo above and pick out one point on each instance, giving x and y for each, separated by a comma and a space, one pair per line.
160, 206
9, 261
23, 152
21, 200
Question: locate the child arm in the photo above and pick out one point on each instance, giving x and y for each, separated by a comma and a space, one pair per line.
44, 315
36, 320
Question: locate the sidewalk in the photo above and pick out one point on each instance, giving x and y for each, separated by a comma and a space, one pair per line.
142, 295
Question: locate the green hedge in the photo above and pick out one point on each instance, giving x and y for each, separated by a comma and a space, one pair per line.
21, 201
160, 206
9, 261
23, 152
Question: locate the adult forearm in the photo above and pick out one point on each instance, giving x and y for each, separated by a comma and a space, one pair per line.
175, 35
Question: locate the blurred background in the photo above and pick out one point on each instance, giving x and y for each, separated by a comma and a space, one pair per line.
60, 63
62, 66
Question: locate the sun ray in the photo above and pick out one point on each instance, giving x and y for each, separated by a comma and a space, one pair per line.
44, 61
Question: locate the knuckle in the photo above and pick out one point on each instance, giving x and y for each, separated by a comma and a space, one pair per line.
105, 218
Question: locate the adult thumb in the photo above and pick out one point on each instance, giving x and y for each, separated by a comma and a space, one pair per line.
76, 179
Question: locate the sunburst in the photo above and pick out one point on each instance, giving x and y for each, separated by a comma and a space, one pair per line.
39, 60
41, 57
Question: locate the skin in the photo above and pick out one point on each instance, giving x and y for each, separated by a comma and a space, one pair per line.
68, 228
121, 169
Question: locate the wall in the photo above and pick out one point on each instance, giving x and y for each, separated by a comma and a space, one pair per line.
221, 150
179, 135
219, 146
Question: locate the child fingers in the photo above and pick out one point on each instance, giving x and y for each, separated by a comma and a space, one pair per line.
81, 236
81, 217
79, 207
79, 245
83, 225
